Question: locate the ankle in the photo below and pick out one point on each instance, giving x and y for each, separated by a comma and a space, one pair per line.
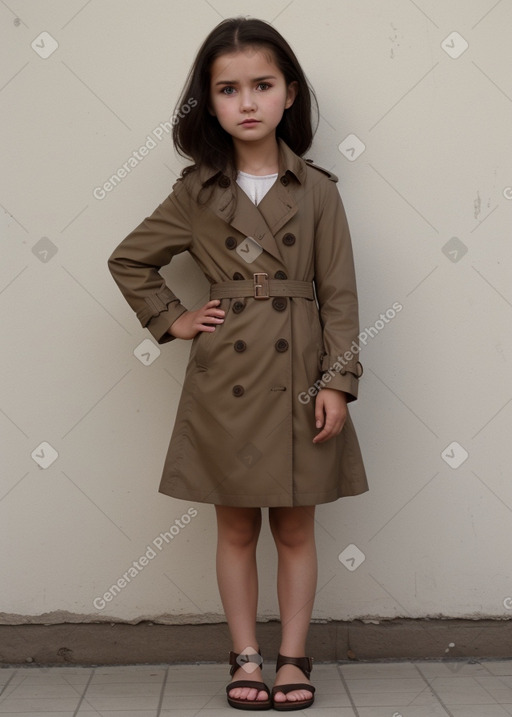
249, 660
292, 651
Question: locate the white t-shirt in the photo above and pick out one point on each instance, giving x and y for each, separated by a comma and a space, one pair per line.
254, 185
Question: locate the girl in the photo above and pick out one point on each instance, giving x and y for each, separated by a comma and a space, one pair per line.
263, 420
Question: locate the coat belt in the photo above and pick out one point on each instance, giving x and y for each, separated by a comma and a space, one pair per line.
261, 287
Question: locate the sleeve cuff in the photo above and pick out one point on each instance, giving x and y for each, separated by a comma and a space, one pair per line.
342, 375
159, 325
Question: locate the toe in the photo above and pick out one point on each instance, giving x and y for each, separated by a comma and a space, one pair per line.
250, 694
294, 696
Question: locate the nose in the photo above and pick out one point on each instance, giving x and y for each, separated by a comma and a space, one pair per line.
247, 102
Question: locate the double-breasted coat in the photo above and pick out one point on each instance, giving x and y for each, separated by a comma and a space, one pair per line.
245, 422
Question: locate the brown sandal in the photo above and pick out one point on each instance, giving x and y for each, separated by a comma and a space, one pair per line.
306, 665
236, 661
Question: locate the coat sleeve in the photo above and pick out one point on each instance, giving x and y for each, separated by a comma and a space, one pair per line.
335, 283
136, 262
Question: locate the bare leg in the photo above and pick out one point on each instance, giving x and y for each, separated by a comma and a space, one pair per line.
294, 534
237, 577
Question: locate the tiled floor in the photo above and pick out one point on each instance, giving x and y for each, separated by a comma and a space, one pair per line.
377, 689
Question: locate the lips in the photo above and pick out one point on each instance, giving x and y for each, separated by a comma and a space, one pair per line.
250, 122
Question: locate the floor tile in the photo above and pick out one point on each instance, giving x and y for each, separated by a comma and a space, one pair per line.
379, 689
400, 711
461, 691
116, 713
37, 706
431, 668
499, 667
478, 711
126, 675
499, 687
377, 670
37, 713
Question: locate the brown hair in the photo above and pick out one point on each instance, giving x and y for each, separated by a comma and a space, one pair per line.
199, 136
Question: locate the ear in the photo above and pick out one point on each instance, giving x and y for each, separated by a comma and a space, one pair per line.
291, 93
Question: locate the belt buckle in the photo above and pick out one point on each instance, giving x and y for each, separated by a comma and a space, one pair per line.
261, 285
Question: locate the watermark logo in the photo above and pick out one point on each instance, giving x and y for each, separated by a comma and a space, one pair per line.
138, 566
138, 155
249, 660
45, 45
343, 360
249, 250
454, 45
44, 455
454, 249
351, 147
351, 557
147, 352
454, 455
44, 249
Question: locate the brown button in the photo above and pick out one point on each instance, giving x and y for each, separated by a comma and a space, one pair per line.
289, 239
230, 243
280, 303
281, 345
280, 275
238, 276
285, 181
240, 346
238, 391
224, 181
238, 307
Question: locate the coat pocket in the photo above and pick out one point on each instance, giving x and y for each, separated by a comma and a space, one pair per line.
202, 348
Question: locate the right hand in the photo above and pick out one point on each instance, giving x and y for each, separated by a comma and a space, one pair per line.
191, 323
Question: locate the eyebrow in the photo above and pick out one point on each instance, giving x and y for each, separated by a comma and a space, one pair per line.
256, 79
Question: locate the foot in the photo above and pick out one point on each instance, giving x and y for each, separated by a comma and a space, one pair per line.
289, 674
248, 693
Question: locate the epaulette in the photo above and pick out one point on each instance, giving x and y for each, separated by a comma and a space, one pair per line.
331, 176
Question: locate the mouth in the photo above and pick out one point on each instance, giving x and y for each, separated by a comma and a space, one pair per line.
249, 122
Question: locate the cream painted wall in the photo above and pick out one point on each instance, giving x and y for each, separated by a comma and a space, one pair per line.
430, 206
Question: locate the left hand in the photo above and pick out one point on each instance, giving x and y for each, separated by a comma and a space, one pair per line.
330, 413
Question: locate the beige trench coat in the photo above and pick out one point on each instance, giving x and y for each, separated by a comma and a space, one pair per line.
245, 422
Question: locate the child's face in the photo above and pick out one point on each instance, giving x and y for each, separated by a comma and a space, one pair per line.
248, 94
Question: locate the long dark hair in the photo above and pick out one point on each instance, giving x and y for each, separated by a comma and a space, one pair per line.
197, 135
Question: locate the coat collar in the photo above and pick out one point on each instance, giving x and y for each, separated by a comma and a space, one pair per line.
288, 162
262, 222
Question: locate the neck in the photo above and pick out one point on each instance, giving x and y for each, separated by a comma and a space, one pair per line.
260, 157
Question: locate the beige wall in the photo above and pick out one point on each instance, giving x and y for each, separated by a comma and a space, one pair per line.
430, 205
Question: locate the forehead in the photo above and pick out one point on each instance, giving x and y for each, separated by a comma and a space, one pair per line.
244, 64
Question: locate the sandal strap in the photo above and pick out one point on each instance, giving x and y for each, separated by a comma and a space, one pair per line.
260, 686
303, 663
237, 660
292, 688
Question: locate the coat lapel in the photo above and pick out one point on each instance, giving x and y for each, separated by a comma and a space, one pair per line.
277, 207
248, 219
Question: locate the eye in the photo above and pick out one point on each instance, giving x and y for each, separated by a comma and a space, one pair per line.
228, 90
263, 86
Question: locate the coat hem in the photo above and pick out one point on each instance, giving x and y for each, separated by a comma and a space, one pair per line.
239, 501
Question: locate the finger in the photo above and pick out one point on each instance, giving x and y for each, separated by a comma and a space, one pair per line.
207, 318
213, 305
319, 412
321, 437
333, 426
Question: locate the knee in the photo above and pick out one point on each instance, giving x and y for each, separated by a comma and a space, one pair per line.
292, 530
240, 531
